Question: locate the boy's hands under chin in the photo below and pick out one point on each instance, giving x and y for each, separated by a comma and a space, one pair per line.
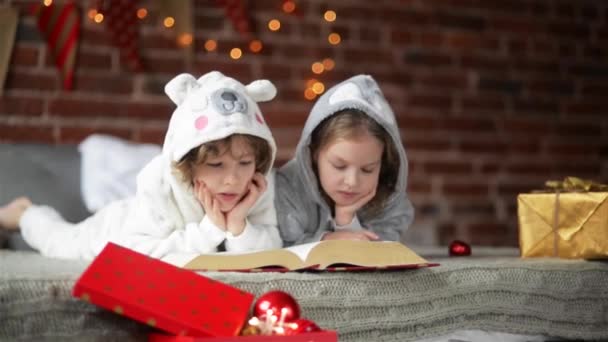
345, 214
235, 218
210, 204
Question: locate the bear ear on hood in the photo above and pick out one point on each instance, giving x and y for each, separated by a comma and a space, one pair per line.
261, 90
178, 88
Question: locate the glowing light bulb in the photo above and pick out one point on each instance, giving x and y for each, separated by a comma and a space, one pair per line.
328, 63
185, 39
317, 67
169, 22
318, 88
309, 94
210, 45
142, 13
48, 3
255, 46
329, 16
98, 18
289, 6
334, 38
236, 53
274, 25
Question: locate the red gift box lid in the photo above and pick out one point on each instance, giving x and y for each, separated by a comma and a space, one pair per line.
318, 336
161, 295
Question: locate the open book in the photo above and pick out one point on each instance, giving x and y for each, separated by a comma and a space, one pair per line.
331, 255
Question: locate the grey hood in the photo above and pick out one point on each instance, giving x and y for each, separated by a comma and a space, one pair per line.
303, 214
362, 93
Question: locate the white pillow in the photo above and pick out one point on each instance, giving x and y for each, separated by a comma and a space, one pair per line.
109, 166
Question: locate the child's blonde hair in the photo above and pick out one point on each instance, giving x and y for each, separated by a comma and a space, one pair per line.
261, 150
351, 124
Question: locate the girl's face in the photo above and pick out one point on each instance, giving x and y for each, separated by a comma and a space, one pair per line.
228, 175
349, 169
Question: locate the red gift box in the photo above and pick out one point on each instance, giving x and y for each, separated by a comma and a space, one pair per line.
161, 295
319, 336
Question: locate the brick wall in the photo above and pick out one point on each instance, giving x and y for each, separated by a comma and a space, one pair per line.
492, 97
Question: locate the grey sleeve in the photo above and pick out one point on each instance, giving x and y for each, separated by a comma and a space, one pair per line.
394, 220
297, 219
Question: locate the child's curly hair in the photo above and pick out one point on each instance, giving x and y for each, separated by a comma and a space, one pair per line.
350, 124
196, 156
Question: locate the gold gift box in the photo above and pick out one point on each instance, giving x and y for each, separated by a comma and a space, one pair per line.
571, 225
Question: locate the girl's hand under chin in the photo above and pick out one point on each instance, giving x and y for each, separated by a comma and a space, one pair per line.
235, 218
347, 234
210, 204
345, 214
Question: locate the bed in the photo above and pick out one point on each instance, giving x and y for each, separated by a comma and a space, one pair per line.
491, 294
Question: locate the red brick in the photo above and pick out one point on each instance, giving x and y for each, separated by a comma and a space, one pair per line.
238, 70
428, 145
517, 25
491, 233
536, 106
151, 135
364, 56
448, 167
482, 104
439, 102
442, 79
27, 133
528, 168
590, 108
107, 84
38, 81
400, 36
469, 125
94, 60
527, 126
21, 105
81, 107
465, 189
25, 55
482, 147
74, 134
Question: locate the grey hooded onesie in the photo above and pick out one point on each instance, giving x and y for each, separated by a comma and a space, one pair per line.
303, 214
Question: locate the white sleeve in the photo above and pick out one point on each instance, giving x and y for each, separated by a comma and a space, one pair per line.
353, 225
203, 237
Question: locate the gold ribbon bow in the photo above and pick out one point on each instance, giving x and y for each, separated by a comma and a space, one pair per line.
574, 184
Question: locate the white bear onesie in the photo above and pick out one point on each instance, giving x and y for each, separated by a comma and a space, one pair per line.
164, 216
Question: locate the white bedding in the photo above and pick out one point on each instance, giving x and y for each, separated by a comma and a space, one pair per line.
109, 168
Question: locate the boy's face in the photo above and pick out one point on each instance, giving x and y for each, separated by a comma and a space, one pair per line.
349, 169
228, 175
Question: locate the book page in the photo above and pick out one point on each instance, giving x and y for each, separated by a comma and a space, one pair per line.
363, 253
280, 258
303, 250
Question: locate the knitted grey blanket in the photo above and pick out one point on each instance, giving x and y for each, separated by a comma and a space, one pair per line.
558, 298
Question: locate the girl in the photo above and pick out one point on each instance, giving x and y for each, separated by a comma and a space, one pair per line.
207, 187
349, 174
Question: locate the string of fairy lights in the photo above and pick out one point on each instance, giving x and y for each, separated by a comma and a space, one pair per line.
313, 86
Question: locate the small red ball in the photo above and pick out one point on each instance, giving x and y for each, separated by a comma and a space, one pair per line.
459, 248
301, 326
276, 301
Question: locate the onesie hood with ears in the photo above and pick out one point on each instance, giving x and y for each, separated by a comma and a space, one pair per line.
214, 107
362, 93
209, 108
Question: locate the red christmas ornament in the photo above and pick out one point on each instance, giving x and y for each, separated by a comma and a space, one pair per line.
459, 248
301, 326
277, 303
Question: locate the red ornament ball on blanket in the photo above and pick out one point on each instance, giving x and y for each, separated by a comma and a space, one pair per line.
301, 326
459, 248
277, 302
